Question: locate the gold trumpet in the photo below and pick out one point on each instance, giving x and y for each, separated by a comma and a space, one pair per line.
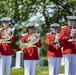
56, 41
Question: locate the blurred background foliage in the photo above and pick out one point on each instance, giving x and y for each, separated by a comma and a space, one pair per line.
41, 12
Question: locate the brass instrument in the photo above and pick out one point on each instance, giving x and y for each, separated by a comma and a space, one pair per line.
31, 41
7, 35
73, 34
56, 41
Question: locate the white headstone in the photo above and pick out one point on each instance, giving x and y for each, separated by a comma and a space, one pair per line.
40, 61
19, 60
62, 61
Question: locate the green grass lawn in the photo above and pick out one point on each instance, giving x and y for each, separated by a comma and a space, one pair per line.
39, 71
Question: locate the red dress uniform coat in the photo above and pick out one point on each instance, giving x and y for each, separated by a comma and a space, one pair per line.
6, 49
53, 51
30, 53
68, 47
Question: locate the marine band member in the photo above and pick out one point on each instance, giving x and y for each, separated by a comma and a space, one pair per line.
67, 38
6, 51
30, 49
54, 52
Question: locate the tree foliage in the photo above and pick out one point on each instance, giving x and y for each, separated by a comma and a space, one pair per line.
46, 11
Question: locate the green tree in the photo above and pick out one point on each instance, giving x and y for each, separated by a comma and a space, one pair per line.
46, 11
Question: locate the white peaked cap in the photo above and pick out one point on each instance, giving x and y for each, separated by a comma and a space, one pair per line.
54, 25
5, 19
71, 17
30, 25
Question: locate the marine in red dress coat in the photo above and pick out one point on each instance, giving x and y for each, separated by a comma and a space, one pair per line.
6, 51
30, 53
68, 41
29, 45
53, 49
6, 48
53, 42
54, 52
68, 46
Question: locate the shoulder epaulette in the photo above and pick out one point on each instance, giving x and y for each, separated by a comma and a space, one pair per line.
48, 33
63, 26
1, 28
24, 34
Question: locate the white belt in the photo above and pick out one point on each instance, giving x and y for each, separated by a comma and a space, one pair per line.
28, 46
32, 46
4, 41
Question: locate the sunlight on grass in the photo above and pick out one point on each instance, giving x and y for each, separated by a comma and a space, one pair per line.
39, 71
